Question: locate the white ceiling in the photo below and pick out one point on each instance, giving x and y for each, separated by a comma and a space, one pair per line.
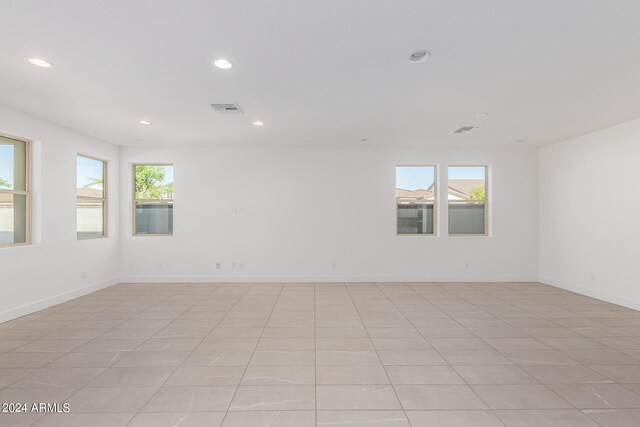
324, 72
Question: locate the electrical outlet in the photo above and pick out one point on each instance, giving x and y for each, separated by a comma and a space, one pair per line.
593, 277
160, 265
242, 265
83, 275
466, 264
334, 265
218, 265
234, 265
130, 266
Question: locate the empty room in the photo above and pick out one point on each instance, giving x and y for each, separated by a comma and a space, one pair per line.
337, 213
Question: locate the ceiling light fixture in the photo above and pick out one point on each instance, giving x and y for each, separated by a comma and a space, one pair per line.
258, 123
223, 64
521, 140
481, 115
39, 62
144, 122
419, 56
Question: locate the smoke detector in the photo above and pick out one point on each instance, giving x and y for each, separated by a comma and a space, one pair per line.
466, 129
226, 108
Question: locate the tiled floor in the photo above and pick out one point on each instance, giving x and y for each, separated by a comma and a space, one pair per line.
366, 354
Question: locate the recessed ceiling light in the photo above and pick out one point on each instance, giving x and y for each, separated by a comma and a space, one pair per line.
223, 63
419, 56
258, 123
481, 115
144, 122
364, 139
39, 62
521, 140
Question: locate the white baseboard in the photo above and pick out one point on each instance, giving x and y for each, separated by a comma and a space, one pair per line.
603, 296
336, 278
56, 299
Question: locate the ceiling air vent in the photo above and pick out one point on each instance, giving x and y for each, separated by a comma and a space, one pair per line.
466, 129
226, 108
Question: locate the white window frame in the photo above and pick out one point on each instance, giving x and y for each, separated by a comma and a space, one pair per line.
435, 201
103, 199
485, 202
136, 201
26, 192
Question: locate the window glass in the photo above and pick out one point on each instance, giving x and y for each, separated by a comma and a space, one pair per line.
467, 196
153, 188
91, 201
14, 194
415, 199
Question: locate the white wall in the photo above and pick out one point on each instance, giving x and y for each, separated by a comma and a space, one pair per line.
50, 270
590, 214
305, 209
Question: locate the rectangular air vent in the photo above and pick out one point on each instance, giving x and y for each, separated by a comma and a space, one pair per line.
466, 129
226, 108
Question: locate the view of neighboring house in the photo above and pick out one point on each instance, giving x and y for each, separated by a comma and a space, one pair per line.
459, 189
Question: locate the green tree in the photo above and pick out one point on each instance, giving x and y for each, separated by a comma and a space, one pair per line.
478, 193
149, 181
4, 183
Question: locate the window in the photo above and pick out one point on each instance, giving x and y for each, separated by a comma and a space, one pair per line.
15, 197
91, 198
153, 200
467, 200
416, 199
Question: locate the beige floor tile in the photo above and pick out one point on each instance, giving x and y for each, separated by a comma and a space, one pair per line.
279, 375
410, 357
205, 376
501, 374
344, 344
219, 358
286, 344
110, 399
270, 419
179, 351
83, 420
351, 375
11, 375
50, 346
347, 357
459, 344
132, 377
356, 397
190, 399
102, 345
19, 420
453, 419
182, 419
567, 374
520, 397
362, 419
169, 344
423, 375
27, 360
265, 398
226, 343
604, 396
474, 357
538, 357
59, 378
537, 418
152, 359
438, 397
283, 357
